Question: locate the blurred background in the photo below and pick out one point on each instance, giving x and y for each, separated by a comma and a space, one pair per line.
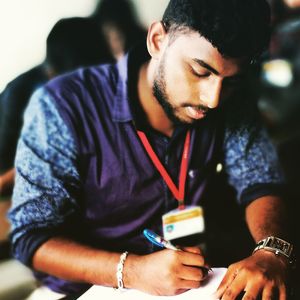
24, 26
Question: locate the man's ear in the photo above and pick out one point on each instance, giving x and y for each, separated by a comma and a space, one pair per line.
156, 39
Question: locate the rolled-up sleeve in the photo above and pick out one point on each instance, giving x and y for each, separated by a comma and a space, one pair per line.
252, 165
47, 181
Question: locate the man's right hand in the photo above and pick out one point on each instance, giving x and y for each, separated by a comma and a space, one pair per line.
165, 272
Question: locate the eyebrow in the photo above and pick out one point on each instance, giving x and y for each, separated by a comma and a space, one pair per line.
205, 65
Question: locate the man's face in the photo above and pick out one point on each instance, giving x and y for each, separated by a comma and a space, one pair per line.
192, 77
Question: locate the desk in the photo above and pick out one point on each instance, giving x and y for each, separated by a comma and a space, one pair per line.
96, 293
205, 292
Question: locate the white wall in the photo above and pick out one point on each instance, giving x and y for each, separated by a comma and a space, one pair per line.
25, 24
150, 10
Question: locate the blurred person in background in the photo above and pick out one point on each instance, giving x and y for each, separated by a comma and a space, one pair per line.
119, 24
72, 43
292, 3
283, 10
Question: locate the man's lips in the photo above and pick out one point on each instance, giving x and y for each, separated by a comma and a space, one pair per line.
195, 113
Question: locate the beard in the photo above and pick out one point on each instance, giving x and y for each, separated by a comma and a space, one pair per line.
160, 93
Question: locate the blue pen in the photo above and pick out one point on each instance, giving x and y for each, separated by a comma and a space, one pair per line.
161, 242
158, 240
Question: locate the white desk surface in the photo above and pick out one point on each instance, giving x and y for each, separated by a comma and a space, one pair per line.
205, 292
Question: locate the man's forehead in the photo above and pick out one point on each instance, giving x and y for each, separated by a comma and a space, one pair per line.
198, 50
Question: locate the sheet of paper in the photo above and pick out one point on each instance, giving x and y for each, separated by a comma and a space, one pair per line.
205, 292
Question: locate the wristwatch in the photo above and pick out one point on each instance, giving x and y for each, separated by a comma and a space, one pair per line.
277, 246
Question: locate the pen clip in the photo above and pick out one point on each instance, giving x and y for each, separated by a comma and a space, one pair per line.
152, 237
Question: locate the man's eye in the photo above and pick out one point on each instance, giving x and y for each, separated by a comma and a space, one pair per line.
200, 75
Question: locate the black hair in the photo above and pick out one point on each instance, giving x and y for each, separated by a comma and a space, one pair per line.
120, 13
76, 42
237, 28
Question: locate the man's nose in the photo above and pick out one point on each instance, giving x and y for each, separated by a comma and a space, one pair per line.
212, 93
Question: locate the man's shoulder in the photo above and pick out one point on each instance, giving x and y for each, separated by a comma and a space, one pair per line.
76, 94
82, 81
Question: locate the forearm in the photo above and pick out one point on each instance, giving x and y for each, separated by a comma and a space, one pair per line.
262, 275
267, 216
75, 262
165, 272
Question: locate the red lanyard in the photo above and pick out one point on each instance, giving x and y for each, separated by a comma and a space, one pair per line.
177, 192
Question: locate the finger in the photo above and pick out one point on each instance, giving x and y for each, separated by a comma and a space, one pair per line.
233, 290
192, 273
180, 291
195, 250
189, 284
282, 292
252, 292
269, 292
192, 259
227, 280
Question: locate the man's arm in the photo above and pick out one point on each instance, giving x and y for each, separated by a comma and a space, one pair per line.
165, 272
67, 259
267, 216
255, 173
263, 273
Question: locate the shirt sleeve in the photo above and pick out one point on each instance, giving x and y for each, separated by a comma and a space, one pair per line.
47, 180
252, 166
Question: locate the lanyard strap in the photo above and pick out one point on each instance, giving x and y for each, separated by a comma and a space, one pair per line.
178, 193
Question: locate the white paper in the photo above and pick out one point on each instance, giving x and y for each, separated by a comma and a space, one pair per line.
205, 292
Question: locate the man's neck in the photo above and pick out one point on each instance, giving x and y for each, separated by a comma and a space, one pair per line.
155, 114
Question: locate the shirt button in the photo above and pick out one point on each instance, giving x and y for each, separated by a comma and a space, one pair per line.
192, 173
219, 168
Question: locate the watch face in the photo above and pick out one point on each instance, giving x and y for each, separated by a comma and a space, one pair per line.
279, 247
279, 244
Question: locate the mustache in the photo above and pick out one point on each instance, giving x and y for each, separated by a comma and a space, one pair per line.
204, 109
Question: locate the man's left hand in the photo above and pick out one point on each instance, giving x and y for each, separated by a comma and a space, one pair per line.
263, 274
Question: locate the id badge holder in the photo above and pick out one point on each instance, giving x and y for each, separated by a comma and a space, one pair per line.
183, 222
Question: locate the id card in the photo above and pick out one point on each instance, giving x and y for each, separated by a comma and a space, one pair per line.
179, 223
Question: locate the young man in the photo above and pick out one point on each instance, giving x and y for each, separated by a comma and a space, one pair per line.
87, 184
